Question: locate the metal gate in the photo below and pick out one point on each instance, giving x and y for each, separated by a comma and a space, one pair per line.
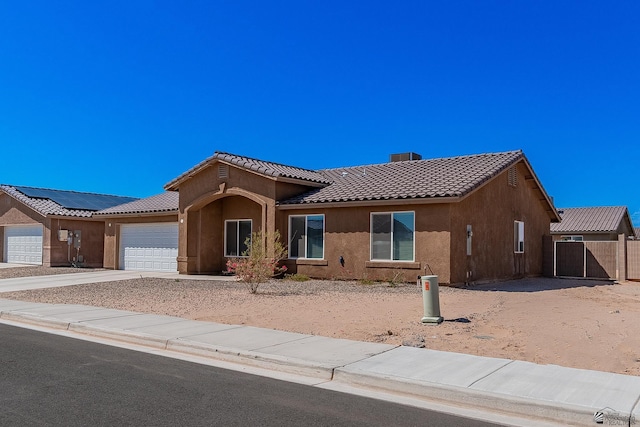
586, 259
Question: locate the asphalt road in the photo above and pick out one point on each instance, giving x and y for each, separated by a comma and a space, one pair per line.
49, 380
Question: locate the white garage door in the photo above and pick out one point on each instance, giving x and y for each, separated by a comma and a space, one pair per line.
23, 244
152, 247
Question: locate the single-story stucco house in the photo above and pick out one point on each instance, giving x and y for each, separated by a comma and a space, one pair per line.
593, 224
142, 234
53, 228
467, 219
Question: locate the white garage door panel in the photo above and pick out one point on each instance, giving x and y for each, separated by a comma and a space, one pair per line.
23, 244
152, 247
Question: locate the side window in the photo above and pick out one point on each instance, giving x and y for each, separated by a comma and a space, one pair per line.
518, 236
306, 236
392, 236
236, 233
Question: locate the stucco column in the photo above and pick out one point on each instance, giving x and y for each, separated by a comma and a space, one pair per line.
622, 258
188, 240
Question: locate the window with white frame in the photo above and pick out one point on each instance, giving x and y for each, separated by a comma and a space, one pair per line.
518, 236
306, 236
392, 236
236, 233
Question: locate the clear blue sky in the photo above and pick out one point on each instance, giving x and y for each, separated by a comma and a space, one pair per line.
120, 97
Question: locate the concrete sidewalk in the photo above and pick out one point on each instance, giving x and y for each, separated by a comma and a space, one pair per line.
537, 392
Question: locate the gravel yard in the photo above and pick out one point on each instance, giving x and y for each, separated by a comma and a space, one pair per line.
575, 323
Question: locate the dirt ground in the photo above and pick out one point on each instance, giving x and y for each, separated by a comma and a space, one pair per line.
575, 323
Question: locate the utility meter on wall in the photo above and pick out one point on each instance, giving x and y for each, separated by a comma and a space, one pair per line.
77, 236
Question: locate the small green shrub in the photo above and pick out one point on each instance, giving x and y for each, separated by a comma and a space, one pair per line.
261, 260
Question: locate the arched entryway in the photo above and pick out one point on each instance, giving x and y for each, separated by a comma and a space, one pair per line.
214, 228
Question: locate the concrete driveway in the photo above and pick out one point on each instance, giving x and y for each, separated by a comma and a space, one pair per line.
58, 280
8, 265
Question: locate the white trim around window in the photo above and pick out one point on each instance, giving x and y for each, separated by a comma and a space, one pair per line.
392, 236
518, 237
306, 236
236, 232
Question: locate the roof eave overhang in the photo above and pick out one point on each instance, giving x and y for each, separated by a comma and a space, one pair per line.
136, 214
572, 232
72, 217
175, 184
551, 209
303, 182
360, 203
42, 214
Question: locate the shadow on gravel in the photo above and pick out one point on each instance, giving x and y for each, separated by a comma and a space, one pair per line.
539, 284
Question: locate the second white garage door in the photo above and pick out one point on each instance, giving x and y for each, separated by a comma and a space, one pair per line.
23, 244
152, 247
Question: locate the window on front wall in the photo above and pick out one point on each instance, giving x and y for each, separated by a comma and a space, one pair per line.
518, 236
571, 238
306, 236
236, 233
392, 236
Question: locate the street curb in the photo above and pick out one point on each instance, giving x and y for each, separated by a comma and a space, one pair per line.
531, 408
465, 397
253, 358
35, 320
139, 338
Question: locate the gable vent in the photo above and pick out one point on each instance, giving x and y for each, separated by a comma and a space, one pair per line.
223, 171
512, 176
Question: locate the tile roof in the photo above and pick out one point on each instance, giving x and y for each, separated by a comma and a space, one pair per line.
604, 219
83, 202
166, 202
412, 179
270, 169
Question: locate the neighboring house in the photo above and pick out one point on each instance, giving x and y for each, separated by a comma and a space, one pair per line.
466, 219
142, 235
593, 224
52, 227
637, 229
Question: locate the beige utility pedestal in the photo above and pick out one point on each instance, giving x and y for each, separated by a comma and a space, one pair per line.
431, 299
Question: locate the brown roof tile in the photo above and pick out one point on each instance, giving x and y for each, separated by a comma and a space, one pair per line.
45, 204
166, 202
604, 219
271, 169
432, 178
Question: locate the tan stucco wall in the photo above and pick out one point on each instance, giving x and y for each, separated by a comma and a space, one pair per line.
54, 252
206, 201
440, 229
15, 213
491, 212
347, 234
111, 226
60, 254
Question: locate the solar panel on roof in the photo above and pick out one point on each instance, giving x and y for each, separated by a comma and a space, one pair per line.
75, 200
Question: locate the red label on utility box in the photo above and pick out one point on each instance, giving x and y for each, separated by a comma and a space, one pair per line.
426, 285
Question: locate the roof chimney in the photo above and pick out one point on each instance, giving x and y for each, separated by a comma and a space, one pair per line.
405, 156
